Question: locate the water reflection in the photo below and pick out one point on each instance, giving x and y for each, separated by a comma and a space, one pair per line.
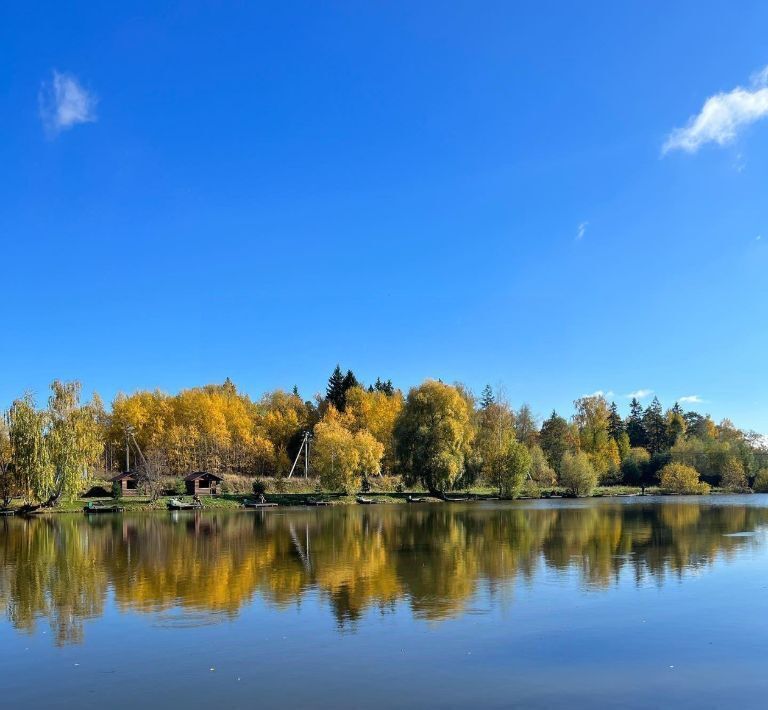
432, 557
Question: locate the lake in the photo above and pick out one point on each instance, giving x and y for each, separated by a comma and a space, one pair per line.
633, 602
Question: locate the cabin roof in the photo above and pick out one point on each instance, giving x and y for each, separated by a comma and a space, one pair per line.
124, 476
202, 474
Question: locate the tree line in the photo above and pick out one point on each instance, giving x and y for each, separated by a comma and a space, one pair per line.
440, 436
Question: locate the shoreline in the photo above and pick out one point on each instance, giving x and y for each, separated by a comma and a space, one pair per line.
232, 501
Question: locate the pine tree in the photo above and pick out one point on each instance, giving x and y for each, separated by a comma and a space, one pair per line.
487, 398
334, 393
295, 391
615, 423
655, 427
635, 428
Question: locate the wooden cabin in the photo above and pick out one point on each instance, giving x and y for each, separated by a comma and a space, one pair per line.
202, 483
129, 483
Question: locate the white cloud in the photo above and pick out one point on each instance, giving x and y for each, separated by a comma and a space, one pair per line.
639, 394
64, 103
581, 230
722, 116
599, 393
690, 399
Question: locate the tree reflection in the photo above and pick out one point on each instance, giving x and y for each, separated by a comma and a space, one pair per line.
434, 558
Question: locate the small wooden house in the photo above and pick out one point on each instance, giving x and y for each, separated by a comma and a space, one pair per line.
128, 482
202, 483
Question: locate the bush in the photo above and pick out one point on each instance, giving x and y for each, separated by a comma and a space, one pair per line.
179, 487
761, 481
117, 490
577, 475
680, 478
259, 487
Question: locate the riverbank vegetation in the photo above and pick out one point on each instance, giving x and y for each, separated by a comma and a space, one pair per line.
437, 438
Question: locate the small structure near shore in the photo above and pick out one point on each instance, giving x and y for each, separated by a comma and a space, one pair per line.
128, 482
202, 483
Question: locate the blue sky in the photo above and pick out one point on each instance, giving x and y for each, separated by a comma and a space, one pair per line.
471, 191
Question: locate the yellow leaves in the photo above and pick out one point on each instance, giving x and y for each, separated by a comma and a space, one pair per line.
342, 456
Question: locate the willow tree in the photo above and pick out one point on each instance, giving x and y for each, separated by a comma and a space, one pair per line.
72, 442
53, 448
29, 454
434, 435
8, 484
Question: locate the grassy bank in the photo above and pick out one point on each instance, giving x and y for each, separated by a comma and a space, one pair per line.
301, 490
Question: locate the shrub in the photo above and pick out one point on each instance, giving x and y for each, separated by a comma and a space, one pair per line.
259, 487
577, 475
680, 478
761, 481
117, 490
179, 487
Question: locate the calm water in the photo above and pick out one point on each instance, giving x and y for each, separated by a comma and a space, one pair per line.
613, 603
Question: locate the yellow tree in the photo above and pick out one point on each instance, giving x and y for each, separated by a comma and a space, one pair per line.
376, 412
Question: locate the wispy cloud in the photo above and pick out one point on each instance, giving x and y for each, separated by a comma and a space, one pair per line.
639, 394
64, 103
690, 399
722, 116
581, 230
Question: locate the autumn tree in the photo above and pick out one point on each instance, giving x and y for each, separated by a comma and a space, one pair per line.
542, 474
526, 428
434, 435
680, 478
592, 418
495, 432
343, 457
577, 475
376, 412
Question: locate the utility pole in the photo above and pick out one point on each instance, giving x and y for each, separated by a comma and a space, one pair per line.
303, 448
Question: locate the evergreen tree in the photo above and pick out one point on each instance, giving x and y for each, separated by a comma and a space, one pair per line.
295, 391
634, 427
386, 387
334, 393
555, 439
615, 423
487, 398
655, 427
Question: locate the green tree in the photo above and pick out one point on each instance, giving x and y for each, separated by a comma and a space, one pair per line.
634, 467
29, 455
517, 466
487, 398
577, 475
615, 423
634, 427
555, 439
655, 427
434, 435
334, 392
